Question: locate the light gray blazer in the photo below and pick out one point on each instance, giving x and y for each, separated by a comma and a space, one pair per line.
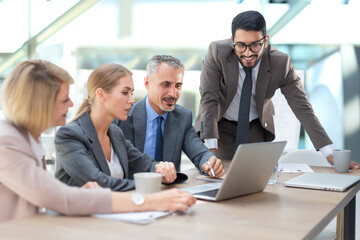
80, 157
179, 135
218, 85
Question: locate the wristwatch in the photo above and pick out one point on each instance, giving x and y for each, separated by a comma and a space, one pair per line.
138, 198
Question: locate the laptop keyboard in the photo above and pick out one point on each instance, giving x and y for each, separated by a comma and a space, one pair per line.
210, 193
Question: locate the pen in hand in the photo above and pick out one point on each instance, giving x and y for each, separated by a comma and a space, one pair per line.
211, 169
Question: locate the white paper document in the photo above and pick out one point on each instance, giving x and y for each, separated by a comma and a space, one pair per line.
136, 217
294, 167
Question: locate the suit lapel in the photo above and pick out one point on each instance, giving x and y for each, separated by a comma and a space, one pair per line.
115, 140
89, 130
262, 82
233, 76
171, 132
139, 124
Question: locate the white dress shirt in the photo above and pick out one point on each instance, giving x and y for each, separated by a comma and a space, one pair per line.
116, 170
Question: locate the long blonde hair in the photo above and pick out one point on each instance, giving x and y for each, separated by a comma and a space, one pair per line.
105, 76
28, 94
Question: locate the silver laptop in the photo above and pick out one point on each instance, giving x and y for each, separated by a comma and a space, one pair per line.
323, 181
249, 172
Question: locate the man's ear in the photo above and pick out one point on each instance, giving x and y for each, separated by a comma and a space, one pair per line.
266, 40
146, 82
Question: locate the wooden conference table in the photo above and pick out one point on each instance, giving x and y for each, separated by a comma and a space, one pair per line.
277, 213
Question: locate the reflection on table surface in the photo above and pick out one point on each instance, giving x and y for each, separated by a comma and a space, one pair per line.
276, 213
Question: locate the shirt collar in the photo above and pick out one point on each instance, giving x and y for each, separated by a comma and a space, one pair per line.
151, 114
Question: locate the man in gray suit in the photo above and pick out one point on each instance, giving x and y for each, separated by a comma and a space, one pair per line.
228, 100
164, 79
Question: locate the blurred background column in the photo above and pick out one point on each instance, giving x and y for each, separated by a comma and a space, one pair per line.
350, 56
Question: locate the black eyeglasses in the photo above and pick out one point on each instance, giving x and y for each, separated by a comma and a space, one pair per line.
254, 47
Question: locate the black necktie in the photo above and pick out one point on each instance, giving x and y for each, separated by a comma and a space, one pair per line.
242, 131
159, 140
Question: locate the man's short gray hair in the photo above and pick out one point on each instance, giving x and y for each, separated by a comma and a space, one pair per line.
155, 61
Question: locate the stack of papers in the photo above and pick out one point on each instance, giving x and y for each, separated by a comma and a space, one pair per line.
294, 167
135, 217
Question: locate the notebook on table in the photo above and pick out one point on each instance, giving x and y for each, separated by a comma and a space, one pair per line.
323, 181
249, 172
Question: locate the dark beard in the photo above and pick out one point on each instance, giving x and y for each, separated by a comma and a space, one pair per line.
257, 60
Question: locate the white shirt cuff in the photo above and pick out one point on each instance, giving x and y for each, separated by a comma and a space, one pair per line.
326, 151
211, 143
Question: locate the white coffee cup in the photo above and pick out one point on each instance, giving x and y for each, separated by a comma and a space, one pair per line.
342, 160
147, 182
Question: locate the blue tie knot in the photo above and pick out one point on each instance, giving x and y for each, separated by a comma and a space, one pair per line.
159, 120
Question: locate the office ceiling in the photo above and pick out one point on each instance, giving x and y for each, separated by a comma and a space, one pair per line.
307, 30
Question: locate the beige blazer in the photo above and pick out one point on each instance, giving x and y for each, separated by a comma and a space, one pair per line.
218, 85
25, 185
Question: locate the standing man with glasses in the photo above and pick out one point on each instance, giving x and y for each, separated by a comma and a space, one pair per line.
238, 79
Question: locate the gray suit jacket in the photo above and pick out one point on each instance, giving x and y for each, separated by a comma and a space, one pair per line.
218, 85
179, 135
80, 157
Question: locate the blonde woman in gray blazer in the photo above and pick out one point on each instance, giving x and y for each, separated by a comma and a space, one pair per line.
86, 147
80, 157
34, 97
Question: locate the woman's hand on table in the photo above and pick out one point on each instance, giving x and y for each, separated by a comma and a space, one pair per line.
170, 200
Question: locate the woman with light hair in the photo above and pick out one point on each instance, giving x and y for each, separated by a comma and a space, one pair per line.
34, 97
